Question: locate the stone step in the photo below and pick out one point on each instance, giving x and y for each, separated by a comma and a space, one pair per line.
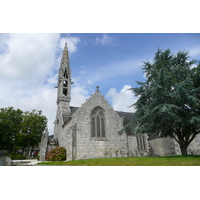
24, 162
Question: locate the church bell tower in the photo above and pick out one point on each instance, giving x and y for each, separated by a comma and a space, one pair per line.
64, 78
63, 93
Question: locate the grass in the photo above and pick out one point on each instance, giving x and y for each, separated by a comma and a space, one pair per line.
131, 161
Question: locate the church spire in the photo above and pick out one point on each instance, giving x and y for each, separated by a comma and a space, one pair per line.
64, 77
64, 94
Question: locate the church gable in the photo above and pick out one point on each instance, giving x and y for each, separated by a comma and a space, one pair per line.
98, 102
97, 105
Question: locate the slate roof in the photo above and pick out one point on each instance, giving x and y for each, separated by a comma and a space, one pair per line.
128, 116
65, 118
73, 109
153, 136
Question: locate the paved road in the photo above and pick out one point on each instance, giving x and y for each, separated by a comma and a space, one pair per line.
2, 161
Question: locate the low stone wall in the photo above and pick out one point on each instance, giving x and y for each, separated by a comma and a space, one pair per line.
8, 161
162, 147
132, 145
2, 161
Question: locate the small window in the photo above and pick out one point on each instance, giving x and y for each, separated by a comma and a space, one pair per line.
65, 91
65, 74
65, 83
98, 123
141, 141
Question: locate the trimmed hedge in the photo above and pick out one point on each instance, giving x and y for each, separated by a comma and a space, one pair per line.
17, 157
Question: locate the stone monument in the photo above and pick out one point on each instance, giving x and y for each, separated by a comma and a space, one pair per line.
43, 145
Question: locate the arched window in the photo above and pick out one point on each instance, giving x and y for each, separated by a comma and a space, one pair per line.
65, 75
98, 123
65, 83
141, 141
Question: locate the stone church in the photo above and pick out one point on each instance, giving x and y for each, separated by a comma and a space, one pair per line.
91, 131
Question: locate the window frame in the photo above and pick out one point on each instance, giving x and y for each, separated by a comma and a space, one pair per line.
98, 123
141, 143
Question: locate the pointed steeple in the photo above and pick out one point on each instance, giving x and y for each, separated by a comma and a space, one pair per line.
64, 77
63, 95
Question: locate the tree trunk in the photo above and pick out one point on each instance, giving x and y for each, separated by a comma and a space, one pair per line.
23, 151
14, 145
14, 148
27, 148
183, 150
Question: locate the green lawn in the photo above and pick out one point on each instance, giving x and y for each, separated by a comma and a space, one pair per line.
132, 161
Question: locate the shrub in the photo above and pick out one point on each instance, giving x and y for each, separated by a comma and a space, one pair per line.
38, 156
57, 154
17, 157
35, 154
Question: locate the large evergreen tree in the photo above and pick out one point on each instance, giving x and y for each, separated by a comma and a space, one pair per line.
169, 100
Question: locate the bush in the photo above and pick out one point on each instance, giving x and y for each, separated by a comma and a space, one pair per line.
57, 154
17, 157
38, 156
35, 154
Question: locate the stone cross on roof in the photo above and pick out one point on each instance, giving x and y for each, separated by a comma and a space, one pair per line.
97, 90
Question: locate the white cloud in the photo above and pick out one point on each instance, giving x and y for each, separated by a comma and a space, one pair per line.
41, 97
194, 51
89, 82
3, 40
72, 43
53, 79
79, 93
121, 101
29, 58
105, 40
27, 78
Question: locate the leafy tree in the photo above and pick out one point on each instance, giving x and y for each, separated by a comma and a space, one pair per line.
34, 124
10, 126
20, 129
169, 100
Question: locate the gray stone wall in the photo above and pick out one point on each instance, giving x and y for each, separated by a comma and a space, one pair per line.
194, 147
162, 147
132, 145
169, 147
61, 111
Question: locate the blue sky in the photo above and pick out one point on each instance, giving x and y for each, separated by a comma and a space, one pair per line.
113, 61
